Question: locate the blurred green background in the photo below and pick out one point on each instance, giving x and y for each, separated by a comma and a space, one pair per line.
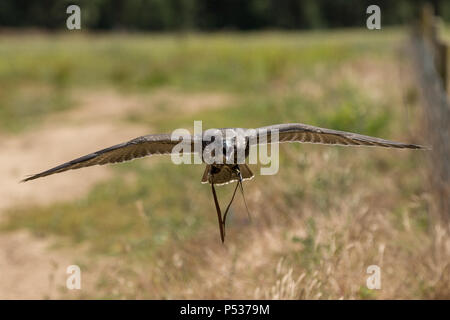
179, 15
147, 229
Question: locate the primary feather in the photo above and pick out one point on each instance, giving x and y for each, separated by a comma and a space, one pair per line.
163, 144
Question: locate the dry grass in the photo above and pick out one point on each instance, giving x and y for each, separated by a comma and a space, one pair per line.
297, 252
150, 231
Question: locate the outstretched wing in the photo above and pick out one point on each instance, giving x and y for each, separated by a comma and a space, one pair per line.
133, 149
298, 132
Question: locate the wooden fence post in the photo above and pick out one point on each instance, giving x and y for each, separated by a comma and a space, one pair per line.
430, 26
432, 63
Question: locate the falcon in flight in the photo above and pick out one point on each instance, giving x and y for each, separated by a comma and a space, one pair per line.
229, 169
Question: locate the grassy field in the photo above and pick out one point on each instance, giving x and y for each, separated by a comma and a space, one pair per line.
149, 229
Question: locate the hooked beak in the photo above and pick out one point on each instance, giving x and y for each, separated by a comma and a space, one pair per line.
228, 152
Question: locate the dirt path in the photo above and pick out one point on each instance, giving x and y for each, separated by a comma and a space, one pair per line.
29, 268
90, 126
48, 147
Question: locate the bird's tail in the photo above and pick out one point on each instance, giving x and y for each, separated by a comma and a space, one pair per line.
226, 175
246, 173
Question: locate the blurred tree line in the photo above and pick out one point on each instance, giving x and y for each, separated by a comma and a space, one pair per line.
210, 14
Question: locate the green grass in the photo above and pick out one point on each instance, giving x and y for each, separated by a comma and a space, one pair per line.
143, 212
342, 108
248, 65
239, 62
24, 107
134, 216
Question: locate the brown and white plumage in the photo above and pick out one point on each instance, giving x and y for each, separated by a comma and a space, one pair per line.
298, 132
152, 144
162, 144
223, 173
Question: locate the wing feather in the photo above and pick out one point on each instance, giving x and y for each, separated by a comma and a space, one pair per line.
298, 132
163, 144
133, 149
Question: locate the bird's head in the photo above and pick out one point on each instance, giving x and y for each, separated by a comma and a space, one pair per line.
228, 149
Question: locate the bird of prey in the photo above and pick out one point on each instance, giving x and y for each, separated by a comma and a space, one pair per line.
228, 170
